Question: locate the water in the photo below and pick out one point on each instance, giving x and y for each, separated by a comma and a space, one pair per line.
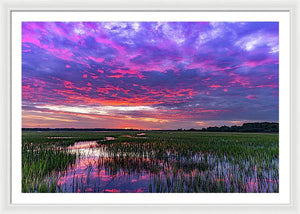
91, 174
97, 169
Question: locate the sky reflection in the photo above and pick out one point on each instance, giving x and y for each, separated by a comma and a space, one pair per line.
98, 170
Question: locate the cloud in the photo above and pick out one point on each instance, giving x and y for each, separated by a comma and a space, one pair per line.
156, 74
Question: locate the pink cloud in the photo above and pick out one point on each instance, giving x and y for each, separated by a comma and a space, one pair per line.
215, 86
251, 97
96, 59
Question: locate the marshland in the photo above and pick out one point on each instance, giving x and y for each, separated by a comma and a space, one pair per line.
149, 162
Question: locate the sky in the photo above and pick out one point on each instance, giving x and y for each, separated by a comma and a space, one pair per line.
149, 75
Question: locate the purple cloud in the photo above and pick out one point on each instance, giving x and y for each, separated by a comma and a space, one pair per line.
172, 74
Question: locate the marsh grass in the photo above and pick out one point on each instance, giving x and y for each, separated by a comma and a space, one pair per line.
167, 162
39, 165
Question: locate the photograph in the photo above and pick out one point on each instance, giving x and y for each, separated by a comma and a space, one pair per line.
150, 107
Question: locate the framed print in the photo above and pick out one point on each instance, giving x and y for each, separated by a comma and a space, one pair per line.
151, 107
154, 107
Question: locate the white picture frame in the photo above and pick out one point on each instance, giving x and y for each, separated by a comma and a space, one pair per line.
8, 207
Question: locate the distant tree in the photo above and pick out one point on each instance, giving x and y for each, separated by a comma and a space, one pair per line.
246, 127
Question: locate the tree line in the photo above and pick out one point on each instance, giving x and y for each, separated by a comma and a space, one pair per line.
267, 127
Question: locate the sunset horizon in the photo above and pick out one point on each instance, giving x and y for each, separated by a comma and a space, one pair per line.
140, 129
